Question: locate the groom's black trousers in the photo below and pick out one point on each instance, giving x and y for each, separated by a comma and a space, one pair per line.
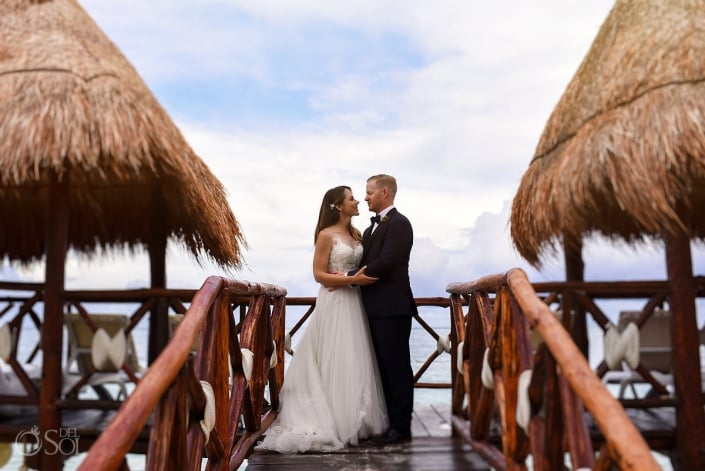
390, 337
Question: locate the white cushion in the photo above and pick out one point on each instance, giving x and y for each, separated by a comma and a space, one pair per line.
108, 354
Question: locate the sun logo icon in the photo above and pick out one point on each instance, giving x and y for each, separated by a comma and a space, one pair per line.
28, 442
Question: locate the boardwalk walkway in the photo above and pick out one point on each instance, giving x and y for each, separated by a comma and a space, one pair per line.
432, 447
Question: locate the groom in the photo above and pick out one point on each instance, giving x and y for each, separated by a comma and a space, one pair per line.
389, 303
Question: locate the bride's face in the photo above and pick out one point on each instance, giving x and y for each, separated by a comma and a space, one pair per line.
349, 205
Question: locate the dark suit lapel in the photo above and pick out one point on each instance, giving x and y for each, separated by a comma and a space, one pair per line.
365, 243
369, 236
366, 237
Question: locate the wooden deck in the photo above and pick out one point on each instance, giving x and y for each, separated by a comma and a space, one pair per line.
432, 447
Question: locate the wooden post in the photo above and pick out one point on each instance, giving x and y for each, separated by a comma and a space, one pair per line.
575, 271
167, 439
52, 328
159, 318
211, 365
690, 418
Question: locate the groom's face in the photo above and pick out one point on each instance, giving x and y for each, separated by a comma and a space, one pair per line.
374, 195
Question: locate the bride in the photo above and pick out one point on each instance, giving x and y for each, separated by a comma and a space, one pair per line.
332, 395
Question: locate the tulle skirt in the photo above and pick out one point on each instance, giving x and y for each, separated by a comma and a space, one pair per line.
332, 395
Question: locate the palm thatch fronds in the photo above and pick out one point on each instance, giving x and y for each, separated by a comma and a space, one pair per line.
71, 103
623, 153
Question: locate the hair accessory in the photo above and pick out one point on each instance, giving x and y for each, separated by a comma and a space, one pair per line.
332, 206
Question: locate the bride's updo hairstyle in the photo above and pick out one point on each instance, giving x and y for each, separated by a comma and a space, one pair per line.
328, 215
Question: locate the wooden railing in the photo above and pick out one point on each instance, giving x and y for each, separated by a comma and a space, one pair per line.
484, 326
196, 410
422, 319
587, 301
24, 310
14, 311
539, 396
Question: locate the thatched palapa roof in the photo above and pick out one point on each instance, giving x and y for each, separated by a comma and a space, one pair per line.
70, 102
623, 153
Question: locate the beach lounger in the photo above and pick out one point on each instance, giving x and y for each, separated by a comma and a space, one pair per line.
100, 355
654, 352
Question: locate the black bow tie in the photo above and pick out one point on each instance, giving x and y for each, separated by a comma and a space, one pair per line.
375, 219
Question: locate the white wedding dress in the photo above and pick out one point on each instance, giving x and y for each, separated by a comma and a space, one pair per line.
332, 395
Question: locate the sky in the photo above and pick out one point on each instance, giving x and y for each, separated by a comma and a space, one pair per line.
286, 99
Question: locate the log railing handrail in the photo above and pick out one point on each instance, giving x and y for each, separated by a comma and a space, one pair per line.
550, 292
141, 301
25, 307
505, 330
209, 313
583, 295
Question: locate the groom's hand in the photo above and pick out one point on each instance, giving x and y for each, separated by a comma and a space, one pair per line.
360, 279
333, 288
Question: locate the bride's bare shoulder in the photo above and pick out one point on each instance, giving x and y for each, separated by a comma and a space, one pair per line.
326, 236
335, 236
331, 233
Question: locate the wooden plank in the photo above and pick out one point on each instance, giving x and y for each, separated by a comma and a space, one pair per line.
421, 454
431, 421
431, 448
418, 429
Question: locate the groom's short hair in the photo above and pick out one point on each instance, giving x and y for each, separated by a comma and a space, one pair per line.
385, 181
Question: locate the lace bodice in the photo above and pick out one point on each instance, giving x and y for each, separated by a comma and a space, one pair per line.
343, 257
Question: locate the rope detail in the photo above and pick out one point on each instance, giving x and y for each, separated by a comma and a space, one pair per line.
5, 343
248, 359
443, 344
287, 344
459, 358
208, 422
487, 373
273, 359
523, 414
108, 354
622, 346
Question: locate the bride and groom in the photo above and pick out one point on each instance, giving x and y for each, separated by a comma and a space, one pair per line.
351, 377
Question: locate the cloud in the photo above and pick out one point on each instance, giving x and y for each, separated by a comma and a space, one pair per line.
284, 100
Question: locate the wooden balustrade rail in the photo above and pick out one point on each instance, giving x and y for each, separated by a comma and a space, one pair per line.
500, 324
173, 387
561, 382
438, 302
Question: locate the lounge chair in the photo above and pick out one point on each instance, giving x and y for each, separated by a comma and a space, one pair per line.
654, 352
100, 354
10, 382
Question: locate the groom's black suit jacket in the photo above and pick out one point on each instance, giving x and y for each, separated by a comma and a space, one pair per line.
389, 304
386, 256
